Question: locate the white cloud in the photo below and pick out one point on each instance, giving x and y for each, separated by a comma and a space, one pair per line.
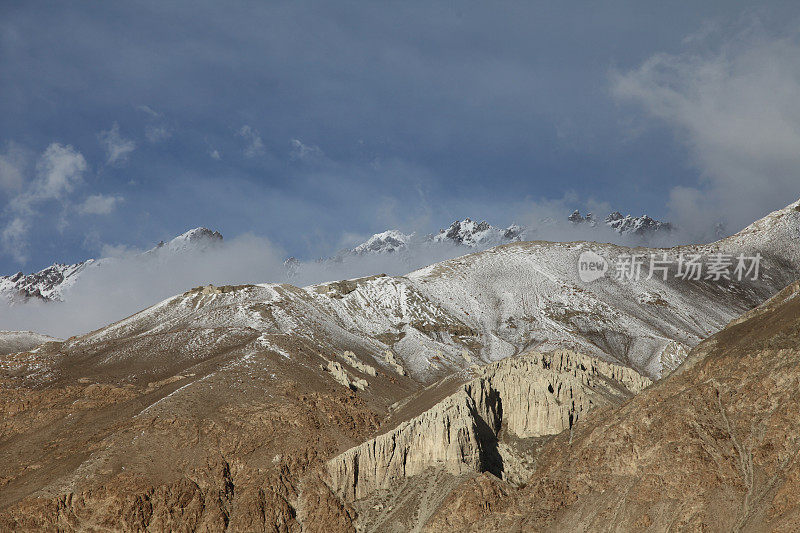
12, 167
13, 239
304, 151
254, 145
149, 110
156, 134
99, 204
117, 147
215, 154
128, 281
58, 171
736, 109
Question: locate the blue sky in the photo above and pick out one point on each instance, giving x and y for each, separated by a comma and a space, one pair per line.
315, 125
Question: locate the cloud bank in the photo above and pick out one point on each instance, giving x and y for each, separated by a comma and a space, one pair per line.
127, 281
735, 107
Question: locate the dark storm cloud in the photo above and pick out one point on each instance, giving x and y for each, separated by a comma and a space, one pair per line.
306, 121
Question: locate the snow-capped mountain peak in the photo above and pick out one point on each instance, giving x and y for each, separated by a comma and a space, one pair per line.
460, 233
192, 239
624, 225
47, 284
387, 242
470, 233
50, 283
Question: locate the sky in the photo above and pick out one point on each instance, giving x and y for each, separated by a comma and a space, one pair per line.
312, 125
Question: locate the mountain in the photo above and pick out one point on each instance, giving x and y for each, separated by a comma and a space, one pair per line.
643, 226
713, 447
473, 234
194, 239
47, 284
465, 233
247, 407
21, 341
384, 243
51, 283
481, 235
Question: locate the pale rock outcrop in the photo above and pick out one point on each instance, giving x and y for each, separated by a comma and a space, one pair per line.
392, 360
350, 359
446, 436
338, 373
527, 396
544, 394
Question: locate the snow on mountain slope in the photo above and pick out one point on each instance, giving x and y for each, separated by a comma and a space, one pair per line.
492, 304
387, 242
528, 295
197, 238
643, 226
21, 341
460, 233
51, 283
481, 235
471, 234
244, 389
47, 284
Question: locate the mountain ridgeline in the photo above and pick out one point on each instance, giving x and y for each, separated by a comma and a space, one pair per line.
497, 391
54, 282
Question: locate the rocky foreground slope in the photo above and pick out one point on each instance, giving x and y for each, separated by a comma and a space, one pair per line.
494, 423
713, 447
110, 434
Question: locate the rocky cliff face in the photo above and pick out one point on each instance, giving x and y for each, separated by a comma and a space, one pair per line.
528, 396
713, 447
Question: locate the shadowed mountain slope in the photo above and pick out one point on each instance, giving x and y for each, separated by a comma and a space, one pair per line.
713, 447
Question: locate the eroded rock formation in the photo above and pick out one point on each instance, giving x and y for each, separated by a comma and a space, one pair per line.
528, 396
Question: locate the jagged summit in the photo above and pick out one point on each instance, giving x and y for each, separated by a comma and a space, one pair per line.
460, 233
643, 226
49, 284
469, 233
472, 234
197, 234
382, 243
192, 239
